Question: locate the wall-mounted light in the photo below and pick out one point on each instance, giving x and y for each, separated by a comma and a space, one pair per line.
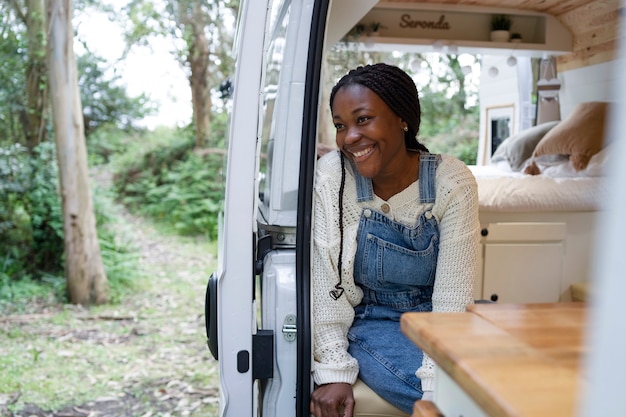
369, 42
415, 64
438, 46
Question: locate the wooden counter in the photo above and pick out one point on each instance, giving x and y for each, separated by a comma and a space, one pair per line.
521, 360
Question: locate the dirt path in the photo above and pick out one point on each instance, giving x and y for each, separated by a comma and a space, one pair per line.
144, 357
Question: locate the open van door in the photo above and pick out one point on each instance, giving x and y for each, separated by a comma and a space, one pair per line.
257, 302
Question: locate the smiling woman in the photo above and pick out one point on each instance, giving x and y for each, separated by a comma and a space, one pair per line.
396, 230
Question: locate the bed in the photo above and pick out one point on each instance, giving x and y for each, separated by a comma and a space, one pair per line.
539, 200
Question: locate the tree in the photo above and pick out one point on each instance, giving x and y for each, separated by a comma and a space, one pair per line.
104, 98
86, 279
204, 52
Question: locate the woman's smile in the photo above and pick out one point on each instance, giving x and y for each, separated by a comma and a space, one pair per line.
360, 155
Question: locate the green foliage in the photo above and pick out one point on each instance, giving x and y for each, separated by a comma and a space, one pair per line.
104, 98
119, 255
461, 141
109, 141
176, 185
12, 81
31, 228
31, 231
500, 22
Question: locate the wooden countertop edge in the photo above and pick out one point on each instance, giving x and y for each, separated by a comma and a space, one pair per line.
479, 371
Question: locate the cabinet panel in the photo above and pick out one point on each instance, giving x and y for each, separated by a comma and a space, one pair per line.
451, 399
522, 272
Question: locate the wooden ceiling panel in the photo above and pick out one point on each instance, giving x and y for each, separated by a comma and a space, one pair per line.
553, 7
594, 24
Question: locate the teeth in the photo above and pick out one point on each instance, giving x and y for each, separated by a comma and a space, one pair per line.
362, 153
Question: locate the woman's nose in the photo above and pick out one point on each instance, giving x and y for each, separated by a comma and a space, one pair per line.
353, 134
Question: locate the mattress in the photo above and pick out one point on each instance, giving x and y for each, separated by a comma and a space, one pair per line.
558, 188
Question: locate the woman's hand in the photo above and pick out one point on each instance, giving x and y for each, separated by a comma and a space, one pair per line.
332, 400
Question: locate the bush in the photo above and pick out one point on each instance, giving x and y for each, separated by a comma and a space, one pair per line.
461, 142
31, 231
176, 186
31, 228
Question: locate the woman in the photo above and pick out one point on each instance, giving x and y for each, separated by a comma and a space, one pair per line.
395, 230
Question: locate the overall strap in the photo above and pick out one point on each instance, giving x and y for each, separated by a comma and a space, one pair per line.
428, 169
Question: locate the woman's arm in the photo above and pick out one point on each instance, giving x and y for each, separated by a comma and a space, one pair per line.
332, 318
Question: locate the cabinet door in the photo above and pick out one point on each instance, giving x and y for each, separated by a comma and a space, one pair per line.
522, 273
523, 262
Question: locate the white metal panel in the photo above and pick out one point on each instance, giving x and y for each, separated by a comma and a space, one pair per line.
235, 285
279, 304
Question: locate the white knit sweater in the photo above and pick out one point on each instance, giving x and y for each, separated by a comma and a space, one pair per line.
456, 211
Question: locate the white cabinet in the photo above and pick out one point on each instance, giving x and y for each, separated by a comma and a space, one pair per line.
522, 262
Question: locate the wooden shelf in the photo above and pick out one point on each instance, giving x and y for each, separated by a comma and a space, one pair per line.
422, 27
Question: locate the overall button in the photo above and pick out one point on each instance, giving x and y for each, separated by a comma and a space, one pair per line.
429, 214
385, 208
367, 213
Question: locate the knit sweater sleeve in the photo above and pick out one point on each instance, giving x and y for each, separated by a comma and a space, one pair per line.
456, 209
331, 318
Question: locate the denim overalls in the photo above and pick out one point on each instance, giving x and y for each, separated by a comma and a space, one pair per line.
395, 266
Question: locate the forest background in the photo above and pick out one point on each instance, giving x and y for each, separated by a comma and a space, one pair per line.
171, 176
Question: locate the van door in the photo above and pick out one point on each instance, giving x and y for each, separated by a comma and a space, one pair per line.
257, 307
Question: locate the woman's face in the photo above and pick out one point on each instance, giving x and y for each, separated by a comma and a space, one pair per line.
369, 132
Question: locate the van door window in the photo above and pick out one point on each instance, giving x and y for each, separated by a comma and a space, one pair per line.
274, 60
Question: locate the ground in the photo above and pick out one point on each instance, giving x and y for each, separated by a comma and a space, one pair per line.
146, 356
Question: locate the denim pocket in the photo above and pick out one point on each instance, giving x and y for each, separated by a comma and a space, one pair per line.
392, 263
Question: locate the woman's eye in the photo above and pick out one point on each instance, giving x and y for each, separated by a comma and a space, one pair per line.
338, 126
362, 119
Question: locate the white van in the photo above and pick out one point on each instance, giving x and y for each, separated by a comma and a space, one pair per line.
258, 300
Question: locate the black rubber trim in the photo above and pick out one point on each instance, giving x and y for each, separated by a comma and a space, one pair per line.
210, 314
305, 197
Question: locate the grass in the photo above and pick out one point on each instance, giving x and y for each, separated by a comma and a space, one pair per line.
150, 343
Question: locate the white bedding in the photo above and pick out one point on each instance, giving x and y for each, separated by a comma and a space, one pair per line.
558, 188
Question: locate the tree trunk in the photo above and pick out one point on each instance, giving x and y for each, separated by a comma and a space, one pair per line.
201, 101
86, 279
36, 88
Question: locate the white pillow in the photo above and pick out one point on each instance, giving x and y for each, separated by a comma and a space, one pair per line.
565, 169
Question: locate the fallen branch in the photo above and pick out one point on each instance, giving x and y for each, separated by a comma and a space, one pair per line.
24, 318
108, 317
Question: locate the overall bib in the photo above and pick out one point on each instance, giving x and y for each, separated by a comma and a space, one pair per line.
395, 266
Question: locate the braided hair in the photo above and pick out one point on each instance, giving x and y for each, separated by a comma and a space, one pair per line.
396, 88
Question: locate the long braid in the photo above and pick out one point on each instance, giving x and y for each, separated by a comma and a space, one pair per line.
398, 91
338, 291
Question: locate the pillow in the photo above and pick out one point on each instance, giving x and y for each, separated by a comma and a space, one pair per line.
580, 136
564, 168
518, 148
